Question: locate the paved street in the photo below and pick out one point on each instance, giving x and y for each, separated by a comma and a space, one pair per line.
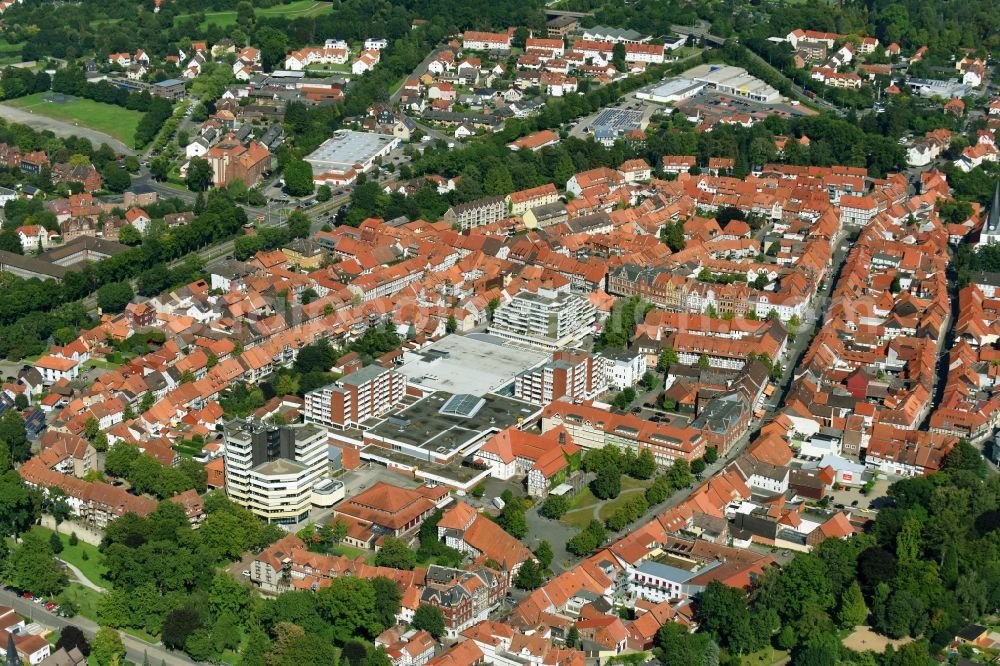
135, 648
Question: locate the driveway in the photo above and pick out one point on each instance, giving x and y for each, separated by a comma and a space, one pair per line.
63, 129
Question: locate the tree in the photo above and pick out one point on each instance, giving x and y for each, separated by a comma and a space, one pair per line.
107, 647
451, 325
430, 619
13, 433
298, 178
572, 636
114, 296
10, 241
852, 610
71, 637
554, 507
544, 554
323, 193
199, 175
35, 567
529, 576
512, 520
396, 554
21, 402
178, 626
675, 646
349, 605
711, 455
644, 466
608, 483
20, 506
964, 456
55, 543
618, 57
668, 357
703, 362
159, 168
116, 179
588, 539
90, 428
724, 614
697, 466
387, 600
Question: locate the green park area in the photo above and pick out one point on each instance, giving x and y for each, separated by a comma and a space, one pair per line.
112, 120
585, 506
296, 9
81, 555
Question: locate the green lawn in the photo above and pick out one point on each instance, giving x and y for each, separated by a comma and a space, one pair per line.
112, 120
766, 657
91, 567
84, 598
297, 9
582, 504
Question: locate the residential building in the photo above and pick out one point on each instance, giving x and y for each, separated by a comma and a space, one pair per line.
356, 397
232, 161
571, 373
480, 212
547, 318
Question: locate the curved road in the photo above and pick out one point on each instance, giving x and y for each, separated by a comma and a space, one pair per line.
62, 128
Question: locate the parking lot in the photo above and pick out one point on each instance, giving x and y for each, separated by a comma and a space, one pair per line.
710, 103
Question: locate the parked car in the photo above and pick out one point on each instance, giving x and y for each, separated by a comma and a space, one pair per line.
246, 573
27, 595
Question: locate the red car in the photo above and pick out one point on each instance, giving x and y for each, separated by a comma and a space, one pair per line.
27, 595
50, 605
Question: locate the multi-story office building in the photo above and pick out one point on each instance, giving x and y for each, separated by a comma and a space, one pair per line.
546, 318
354, 398
272, 470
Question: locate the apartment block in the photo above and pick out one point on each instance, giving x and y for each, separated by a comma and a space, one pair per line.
573, 374
546, 318
354, 398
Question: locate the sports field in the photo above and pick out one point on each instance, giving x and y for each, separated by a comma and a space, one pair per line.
107, 118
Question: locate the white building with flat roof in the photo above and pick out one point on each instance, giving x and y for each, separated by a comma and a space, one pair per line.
735, 81
670, 91
340, 159
545, 318
272, 470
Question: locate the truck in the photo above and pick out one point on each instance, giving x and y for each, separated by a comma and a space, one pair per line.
499, 503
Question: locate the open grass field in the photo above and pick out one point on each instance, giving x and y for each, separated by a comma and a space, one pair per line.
295, 9
107, 118
584, 503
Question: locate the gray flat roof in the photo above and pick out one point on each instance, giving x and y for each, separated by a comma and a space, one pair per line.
424, 426
474, 364
346, 148
674, 86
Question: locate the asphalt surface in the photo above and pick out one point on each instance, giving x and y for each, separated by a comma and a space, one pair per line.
135, 649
